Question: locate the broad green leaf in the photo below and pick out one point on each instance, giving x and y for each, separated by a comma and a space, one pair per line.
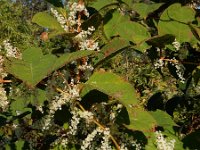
179, 13
144, 9
133, 31
19, 144
152, 120
69, 57
147, 121
128, 2
46, 20
142, 46
111, 27
32, 68
128, 30
163, 119
111, 48
35, 66
181, 31
140, 120
99, 4
112, 85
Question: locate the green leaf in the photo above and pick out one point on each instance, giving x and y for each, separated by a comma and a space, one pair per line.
99, 4
133, 31
69, 57
19, 144
111, 27
19, 106
126, 29
179, 13
140, 120
112, 85
180, 30
112, 47
163, 119
32, 68
128, 2
46, 20
152, 120
144, 9
35, 66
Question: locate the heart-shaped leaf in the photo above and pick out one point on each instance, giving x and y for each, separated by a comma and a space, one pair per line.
111, 48
144, 9
46, 20
35, 66
170, 24
112, 85
179, 13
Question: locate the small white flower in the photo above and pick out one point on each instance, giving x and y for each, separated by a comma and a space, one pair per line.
159, 63
3, 99
61, 19
2, 72
90, 137
176, 45
162, 143
105, 144
11, 51
74, 123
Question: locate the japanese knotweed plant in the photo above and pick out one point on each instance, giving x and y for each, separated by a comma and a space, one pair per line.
66, 100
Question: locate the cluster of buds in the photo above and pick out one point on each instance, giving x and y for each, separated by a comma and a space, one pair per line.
10, 50
3, 99
77, 115
71, 20
162, 143
176, 45
75, 8
83, 42
61, 19
2, 72
179, 68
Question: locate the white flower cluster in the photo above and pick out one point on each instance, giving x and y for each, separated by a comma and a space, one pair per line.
11, 51
122, 147
116, 110
74, 123
86, 67
159, 64
84, 42
105, 145
74, 8
2, 72
71, 20
61, 19
47, 122
3, 99
62, 141
136, 145
179, 69
162, 143
90, 137
77, 115
176, 45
